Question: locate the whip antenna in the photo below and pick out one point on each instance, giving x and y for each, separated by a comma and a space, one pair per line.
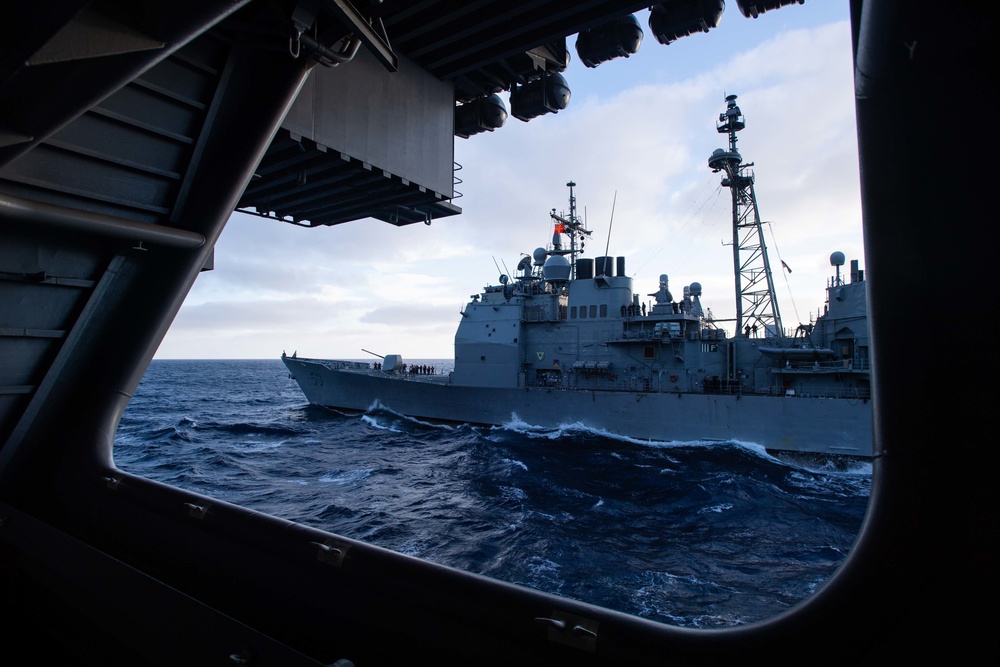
611, 222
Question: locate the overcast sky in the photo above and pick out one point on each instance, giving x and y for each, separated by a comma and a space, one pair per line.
637, 132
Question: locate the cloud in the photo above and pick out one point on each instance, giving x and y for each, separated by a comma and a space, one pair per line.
260, 315
410, 316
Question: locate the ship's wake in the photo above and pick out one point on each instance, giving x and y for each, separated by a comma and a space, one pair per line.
580, 434
380, 416
577, 430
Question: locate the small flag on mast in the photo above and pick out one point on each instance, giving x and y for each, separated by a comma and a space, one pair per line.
560, 228
786, 266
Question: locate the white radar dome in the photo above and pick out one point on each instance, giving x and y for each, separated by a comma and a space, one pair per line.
556, 268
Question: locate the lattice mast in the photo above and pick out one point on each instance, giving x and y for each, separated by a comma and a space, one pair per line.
756, 304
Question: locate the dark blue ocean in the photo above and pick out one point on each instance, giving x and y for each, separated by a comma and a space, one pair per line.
694, 534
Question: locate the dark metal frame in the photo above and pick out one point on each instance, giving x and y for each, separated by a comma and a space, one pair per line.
102, 567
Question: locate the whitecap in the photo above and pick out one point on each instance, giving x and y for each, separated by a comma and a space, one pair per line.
515, 462
716, 509
513, 492
371, 421
347, 477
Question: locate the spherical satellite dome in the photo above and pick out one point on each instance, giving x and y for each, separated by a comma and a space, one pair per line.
539, 256
556, 268
837, 259
695, 289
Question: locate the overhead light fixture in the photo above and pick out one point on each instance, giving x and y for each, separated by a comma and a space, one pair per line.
483, 114
614, 39
549, 93
754, 8
669, 21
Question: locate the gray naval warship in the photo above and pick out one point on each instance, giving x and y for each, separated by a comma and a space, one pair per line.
568, 340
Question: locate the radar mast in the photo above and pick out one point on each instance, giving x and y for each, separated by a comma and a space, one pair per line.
572, 227
756, 304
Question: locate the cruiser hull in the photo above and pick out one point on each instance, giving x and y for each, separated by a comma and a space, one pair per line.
827, 426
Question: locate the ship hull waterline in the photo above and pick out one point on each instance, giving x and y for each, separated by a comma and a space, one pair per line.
809, 425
